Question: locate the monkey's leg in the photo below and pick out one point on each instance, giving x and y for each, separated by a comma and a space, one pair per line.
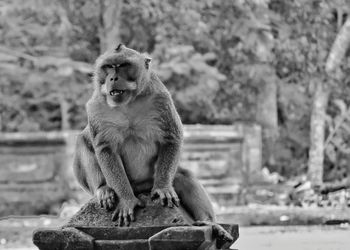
89, 174
197, 203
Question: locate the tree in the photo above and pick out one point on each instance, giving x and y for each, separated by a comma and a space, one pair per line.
320, 101
110, 21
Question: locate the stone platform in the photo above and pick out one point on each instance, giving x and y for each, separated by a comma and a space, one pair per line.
156, 227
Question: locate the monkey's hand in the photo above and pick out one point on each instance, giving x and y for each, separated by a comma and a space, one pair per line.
124, 211
166, 195
106, 197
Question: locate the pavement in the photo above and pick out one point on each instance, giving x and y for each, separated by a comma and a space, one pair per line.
16, 234
294, 237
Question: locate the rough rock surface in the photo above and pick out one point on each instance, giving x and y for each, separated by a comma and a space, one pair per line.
156, 228
153, 214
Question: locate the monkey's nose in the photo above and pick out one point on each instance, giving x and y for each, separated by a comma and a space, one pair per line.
114, 79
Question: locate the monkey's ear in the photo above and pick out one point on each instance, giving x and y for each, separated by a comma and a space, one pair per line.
147, 62
119, 47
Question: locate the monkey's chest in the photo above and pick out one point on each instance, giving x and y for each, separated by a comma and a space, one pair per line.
140, 148
139, 159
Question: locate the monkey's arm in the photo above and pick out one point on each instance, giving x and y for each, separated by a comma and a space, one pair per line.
168, 155
113, 170
167, 163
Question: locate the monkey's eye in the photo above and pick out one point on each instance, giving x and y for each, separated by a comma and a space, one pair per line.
108, 66
119, 47
122, 65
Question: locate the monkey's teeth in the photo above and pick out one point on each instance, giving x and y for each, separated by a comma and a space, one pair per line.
116, 92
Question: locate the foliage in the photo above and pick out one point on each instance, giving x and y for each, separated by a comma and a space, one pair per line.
214, 56
193, 83
337, 145
38, 87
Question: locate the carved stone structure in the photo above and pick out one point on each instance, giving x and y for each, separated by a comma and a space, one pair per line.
155, 228
32, 177
36, 168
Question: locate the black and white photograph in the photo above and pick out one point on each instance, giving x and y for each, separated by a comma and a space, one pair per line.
174, 124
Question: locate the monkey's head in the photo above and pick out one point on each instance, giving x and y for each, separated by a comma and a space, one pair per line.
121, 74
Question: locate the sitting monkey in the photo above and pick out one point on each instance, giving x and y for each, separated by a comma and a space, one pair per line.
133, 140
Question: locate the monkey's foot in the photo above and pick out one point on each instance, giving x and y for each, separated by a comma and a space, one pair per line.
223, 238
106, 197
167, 196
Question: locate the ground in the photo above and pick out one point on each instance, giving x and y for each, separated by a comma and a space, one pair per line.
294, 237
16, 233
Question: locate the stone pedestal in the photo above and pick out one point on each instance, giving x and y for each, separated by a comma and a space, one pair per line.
156, 227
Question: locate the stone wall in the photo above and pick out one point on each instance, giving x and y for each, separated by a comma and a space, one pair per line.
36, 168
32, 174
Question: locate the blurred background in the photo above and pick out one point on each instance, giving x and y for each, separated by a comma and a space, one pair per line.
262, 85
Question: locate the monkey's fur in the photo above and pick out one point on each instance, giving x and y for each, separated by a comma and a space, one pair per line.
133, 140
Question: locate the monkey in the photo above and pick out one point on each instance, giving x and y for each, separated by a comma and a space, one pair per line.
133, 141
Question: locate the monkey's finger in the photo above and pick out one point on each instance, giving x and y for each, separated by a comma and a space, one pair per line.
126, 218
109, 203
176, 201
112, 198
105, 203
120, 219
174, 194
131, 214
115, 215
169, 200
162, 198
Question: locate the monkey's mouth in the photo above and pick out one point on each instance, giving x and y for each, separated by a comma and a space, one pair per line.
118, 96
116, 92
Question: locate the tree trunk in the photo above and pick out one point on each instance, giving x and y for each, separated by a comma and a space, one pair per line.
319, 105
339, 48
109, 28
317, 133
267, 117
267, 98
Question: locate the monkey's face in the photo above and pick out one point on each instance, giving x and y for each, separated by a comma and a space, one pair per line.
121, 75
119, 86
